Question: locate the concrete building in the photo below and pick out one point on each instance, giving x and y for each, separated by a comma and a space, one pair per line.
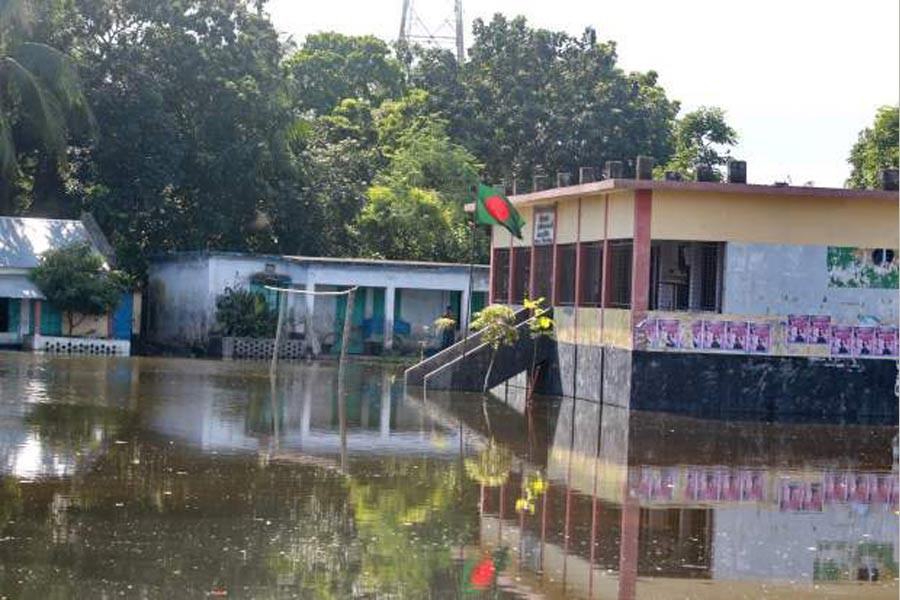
27, 319
395, 306
776, 299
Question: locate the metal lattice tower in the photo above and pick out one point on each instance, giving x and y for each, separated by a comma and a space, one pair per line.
430, 23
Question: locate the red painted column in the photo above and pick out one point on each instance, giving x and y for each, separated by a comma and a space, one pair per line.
491, 282
640, 266
512, 270
604, 267
553, 280
37, 317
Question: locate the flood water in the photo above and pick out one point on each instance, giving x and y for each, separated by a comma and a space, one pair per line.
174, 478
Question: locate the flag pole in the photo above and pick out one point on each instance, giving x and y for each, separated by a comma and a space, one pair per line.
471, 268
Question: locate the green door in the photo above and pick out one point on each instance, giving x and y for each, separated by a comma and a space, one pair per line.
356, 322
377, 315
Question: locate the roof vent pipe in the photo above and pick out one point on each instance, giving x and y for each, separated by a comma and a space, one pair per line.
705, 173
644, 169
737, 171
563, 179
890, 178
587, 174
614, 169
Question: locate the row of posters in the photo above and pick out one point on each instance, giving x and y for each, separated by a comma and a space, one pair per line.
751, 485
846, 340
756, 338
726, 336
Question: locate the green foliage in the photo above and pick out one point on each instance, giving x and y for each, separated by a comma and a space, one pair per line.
242, 313
497, 324
75, 280
701, 139
533, 98
876, 148
42, 108
540, 323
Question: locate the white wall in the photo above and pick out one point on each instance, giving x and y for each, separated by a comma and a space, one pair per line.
178, 294
785, 279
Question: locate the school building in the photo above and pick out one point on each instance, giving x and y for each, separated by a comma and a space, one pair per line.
707, 297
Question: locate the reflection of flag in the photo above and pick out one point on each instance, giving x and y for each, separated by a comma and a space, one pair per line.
493, 208
483, 574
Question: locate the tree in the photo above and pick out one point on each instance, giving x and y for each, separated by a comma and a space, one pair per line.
42, 105
533, 100
243, 313
876, 148
701, 140
331, 67
76, 280
497, 324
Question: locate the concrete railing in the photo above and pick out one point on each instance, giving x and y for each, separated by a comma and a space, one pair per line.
415, 375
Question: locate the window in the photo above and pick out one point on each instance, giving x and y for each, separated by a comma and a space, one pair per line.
500, 285
619, 274
686, 276
521, 274
543, 272
591, 273
709, 277
5, 308
565, 274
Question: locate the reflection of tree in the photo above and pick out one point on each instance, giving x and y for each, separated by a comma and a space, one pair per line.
491, 466
409, 520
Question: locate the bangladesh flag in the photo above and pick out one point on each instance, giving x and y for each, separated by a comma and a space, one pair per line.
493, 208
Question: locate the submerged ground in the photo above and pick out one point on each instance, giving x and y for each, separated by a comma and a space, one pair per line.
163, 478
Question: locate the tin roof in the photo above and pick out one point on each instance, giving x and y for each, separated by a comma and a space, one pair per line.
23, 240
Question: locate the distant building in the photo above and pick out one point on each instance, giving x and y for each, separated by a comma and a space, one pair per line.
27, 319
395, 307
712, 296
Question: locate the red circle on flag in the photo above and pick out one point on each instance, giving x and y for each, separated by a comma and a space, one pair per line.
497, 207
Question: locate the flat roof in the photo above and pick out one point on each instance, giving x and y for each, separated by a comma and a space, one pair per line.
315, 259
615, 185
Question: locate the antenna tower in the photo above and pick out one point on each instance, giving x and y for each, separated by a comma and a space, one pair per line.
430, 23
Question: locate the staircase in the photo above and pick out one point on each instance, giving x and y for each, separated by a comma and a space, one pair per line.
463, 366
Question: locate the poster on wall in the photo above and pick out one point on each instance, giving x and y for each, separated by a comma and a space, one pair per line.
841, 340
697, 334
886, 341
864, 341
714, 335
760, 338
669, 333
801, 496
647, 333
736, 336
820, 329
798, 329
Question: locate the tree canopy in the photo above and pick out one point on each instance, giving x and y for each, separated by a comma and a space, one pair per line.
875, 149
702, 138
212, 132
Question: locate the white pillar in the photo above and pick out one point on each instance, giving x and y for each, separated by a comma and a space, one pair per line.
24, 317
310, 298
389, 294
465, 304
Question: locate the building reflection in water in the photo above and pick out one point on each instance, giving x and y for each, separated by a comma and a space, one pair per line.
177, 477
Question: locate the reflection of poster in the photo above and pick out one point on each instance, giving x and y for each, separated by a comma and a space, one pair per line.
861, 487
836, 487
884, 485
736, 336
841, 340
798, 329
801, 496
753, 486
714, 335
730, 486
697, 335
760, 338
819, 329
657, 484
669, 333
886, 341
864, 341
702, 484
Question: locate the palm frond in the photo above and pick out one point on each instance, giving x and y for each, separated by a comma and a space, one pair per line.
37, 106
7, 150
60, 76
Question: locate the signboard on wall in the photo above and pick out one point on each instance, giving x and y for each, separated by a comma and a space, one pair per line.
544, 226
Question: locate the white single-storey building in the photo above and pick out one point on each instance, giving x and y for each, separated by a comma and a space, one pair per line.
27, 319
395, 307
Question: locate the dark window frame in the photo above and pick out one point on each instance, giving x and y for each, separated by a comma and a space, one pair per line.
591, 290
500, 275
566, 275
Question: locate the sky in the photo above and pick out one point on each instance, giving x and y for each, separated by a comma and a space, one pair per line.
798, 79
